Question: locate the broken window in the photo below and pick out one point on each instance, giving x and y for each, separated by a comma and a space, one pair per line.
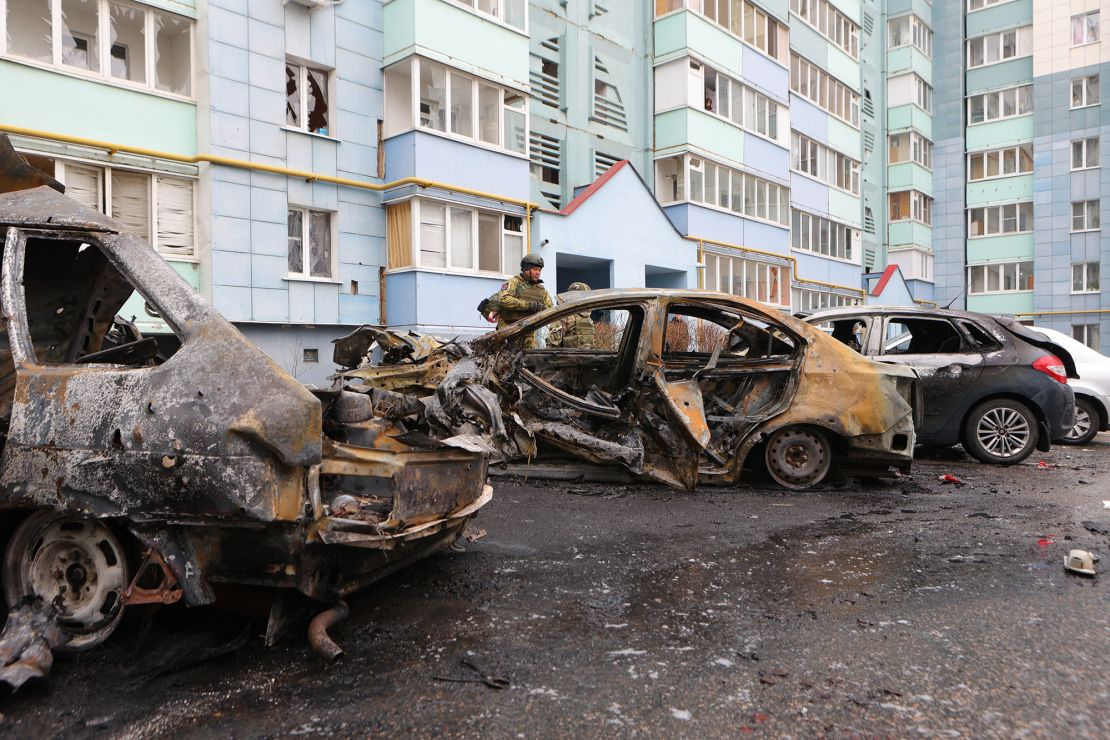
306, 98
73, 294
702, 330
920, 337
578, 353
310, 243
144, 47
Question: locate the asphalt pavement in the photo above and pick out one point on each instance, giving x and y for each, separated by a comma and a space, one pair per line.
612, 610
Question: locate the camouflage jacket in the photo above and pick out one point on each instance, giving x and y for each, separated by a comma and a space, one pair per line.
519, 298
573, 332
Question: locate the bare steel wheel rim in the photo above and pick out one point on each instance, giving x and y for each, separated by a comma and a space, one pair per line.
77, 565
1082, 424
798, 458
1003, 432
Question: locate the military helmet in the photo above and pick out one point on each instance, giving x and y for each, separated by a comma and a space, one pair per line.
578, 286
531, 260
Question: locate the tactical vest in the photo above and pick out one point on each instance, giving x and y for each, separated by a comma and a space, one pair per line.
579, 332
525, 291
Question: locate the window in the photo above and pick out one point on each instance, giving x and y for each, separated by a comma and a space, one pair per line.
911, 146
158, 208
726, 98
806, 299
909, 30
909, 89
1084, 216
1084, 154
823, 90
455, 104
546, 157
914, 336
448, 236
1085, 277
126, 44
1011, 218
1084, 91
825, 164
822, 236
306, 98
1087, 334
718, 186
980, 4
310, 243
1084, 28
510, 12
830, 23
999, 47
544, 75
1003, 277
741, 18
911, 205
760, 281
1013, 160
991, 106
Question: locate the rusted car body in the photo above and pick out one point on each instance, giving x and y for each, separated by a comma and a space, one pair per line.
222, 467
689, 384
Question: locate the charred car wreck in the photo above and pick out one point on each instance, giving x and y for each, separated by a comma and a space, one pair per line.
128, 477
679, 386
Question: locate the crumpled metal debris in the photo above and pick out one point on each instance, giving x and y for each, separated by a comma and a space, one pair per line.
27, 643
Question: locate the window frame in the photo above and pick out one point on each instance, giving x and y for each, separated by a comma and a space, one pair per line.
1000, 218
1001, 277
303, 67
1085, 86
475, 221
919, 207
845, 247
750, 189
1085, 147
1084, 278
472, 7
827, 20
829, 163
1023, 46
1086, 209
103, 73
1086, 26
1085, 331
1000, 106
761, 281
1001, 156
414, 122
823, 90
737, 115
917, 143
306, 246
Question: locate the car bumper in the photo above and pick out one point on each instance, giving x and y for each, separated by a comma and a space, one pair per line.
1057, 403
876, 454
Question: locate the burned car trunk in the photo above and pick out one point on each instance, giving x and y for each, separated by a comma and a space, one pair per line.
678, 387
127, 477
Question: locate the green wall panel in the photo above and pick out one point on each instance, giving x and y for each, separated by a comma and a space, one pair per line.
845, 207
903, 233
994, 248
999, 133
1003, 189
97, 110
1003, 74
845, 138
1000, 17
909, 175
910, 116
1004, 303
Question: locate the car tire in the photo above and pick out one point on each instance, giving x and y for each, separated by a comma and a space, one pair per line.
798, 457
1087, 423
1000, 432
78, 564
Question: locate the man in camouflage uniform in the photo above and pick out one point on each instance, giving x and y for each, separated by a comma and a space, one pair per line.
522, 296
575, 331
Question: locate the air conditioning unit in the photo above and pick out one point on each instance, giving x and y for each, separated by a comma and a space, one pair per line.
310, 3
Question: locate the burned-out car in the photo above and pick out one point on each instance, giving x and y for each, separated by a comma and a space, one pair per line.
129, 477
678, 386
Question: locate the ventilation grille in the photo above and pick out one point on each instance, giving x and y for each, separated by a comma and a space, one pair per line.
868, 23
868, 107
868, 141
868, 222
545, 150
598, 9
602, 163
608, 106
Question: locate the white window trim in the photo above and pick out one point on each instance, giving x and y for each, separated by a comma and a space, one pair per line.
1085, 103
302, 77
816, 103
1018, 203
967, 274
832, 184
782, 116
910, 36
784, 277
684, 156
474, 10
990, 5
857, 234
914, 194
967, 105
1084, 15
688, 7
306, 253
1084, 265
1084, 142
854, 32
447, 268
1001, 175
152, 192
911, 160
475, 141
1086, 229
1021, 54
104, 50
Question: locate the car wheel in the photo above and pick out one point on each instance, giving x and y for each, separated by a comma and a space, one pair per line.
76, 564
1087, 422
1001, 432
798, 457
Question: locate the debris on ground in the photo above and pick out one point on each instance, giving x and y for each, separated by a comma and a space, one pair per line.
1096, 527
473, 535
949, 478
27, 643
1081, 562
1045, 465
474, 674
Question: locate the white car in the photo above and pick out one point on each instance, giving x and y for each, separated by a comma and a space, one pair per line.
1092, 389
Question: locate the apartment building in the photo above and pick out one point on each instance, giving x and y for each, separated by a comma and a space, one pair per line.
1018, 153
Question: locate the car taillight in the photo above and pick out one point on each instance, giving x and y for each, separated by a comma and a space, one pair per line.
1053, 367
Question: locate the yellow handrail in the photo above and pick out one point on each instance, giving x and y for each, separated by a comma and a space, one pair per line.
112, 148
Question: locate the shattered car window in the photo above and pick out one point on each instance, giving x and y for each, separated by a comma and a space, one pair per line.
72, 318
920, 337
983, 340
580, 353
848, 331
700, 330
